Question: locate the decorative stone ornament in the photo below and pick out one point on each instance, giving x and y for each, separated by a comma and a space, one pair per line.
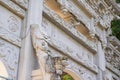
59, 65
48, 65
64, 10
92, 35
107, 75
41, 48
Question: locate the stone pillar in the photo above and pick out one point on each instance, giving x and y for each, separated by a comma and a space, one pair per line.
34, 16
101, 57
101, 61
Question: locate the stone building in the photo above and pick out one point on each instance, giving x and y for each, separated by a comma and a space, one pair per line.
47, 39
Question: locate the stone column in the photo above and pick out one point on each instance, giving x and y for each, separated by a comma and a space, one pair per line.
101, 57
101, 61
27, 56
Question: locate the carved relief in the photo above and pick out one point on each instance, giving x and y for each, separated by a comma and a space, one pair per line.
69, 28
9, 54
10, 21
23, 3
9, 37
48, 65
113, 58
83, 73
107, 75
69, 5
41, 48
13, 24
15, 8
104, 12
77, 53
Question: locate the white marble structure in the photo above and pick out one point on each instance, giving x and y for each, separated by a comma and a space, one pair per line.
42, 39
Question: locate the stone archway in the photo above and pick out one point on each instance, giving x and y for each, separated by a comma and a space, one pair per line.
3, 71
72, 74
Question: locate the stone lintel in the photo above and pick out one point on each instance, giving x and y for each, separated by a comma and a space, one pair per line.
89, 65
69, 29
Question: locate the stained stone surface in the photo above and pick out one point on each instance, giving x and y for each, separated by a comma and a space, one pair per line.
73, 35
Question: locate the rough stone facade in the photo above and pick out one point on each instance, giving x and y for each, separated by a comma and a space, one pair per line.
41, 39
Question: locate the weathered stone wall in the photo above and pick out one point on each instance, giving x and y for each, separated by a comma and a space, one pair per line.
11, 23
78, 29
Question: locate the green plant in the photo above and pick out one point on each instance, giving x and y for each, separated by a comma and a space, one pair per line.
115, 27
66, 77
117, 1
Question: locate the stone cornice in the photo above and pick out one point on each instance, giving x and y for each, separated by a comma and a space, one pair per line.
115, 6
115, 71
80, 16
6, 35
87, 7
22, 3
69, 29
13, 7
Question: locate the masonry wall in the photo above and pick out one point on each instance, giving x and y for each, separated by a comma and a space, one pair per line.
11, 26
74, 28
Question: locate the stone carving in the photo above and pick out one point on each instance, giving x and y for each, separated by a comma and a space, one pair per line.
87, 6
106, 19
9, 37
41, 48
75, 53
18, 10
48, 64
13, 24
23, 3
105, 15
87, 77
9, 54
113, 58
59, 65
64, 10
69, 28
80, 71
67, 4
107, 75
